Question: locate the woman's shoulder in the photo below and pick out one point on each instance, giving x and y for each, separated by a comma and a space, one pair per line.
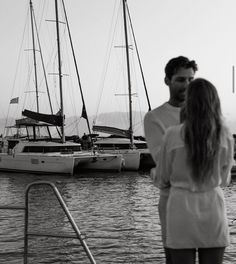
225, 131
226, 135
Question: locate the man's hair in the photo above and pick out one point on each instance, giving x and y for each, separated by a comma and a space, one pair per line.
175, 64
202, 119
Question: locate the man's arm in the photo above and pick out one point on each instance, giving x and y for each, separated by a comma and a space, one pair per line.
154, 132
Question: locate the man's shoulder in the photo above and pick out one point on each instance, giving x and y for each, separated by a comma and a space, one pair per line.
158, 110
165, 106
164, 113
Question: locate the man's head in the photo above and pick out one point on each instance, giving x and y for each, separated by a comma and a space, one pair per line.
179, 72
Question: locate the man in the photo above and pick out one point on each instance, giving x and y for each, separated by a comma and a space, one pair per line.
179, 72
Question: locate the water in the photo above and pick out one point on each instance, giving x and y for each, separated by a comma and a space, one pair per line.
117, 212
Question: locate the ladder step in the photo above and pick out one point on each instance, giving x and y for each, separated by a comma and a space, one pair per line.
15, 207
42, 234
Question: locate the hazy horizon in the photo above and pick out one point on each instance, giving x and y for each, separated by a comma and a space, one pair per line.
76, 125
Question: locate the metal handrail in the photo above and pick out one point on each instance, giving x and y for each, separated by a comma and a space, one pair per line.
66, 211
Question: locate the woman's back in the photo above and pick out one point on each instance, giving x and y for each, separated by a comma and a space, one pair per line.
196, 216
178, 172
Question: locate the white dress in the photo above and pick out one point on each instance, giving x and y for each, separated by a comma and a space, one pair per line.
195, 216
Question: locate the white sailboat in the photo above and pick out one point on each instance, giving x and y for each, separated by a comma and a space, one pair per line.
135, 152
36, 152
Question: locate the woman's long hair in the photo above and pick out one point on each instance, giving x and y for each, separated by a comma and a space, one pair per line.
202, 121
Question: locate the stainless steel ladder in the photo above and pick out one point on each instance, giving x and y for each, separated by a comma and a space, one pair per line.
78, 234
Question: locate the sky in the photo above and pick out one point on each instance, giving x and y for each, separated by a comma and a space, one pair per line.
203, 30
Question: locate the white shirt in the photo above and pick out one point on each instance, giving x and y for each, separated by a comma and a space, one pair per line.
156, 123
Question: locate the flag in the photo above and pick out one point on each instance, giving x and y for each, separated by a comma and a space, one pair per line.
84, 113
14, 100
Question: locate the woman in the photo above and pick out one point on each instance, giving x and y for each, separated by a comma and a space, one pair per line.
195, 162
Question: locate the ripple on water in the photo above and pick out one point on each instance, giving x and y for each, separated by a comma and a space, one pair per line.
117, 212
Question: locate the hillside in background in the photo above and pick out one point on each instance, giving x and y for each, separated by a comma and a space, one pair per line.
78, 126
115, 119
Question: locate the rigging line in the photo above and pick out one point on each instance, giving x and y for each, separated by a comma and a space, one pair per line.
73, 126
34, 54
42, 60
52, 49
43, 12
17, 69
27, 84
108, 55
120, 58
133, 58
43, 65
69, 83
54, 79
135, 84
67, 66
44, 70
140, 65
75, 62
40, 16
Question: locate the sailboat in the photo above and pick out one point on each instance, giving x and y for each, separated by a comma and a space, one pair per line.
122, 141
36, 152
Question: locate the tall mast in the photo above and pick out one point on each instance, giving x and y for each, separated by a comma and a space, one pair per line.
139, 61
34, 55
128, 74
60, 73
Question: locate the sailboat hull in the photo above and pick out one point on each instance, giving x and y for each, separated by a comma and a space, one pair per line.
37, 163
54, 157
131, 157
100, 162
134, 159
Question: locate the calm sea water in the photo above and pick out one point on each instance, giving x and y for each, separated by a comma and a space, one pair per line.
117, 212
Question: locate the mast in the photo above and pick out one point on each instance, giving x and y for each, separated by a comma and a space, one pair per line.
139, 61
128, 74
60, 73
34, 55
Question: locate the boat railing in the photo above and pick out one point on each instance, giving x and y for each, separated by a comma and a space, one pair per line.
25, 208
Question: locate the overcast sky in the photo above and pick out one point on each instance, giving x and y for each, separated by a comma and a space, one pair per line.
204, 30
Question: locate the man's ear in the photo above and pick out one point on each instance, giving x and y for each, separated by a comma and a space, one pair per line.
167, 81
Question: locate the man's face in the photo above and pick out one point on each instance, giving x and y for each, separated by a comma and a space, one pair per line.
179, 83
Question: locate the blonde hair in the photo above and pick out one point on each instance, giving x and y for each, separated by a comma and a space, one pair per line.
202, 122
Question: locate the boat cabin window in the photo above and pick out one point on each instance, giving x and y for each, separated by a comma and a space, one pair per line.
50, 149
141, 145
113, 146
121, 146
